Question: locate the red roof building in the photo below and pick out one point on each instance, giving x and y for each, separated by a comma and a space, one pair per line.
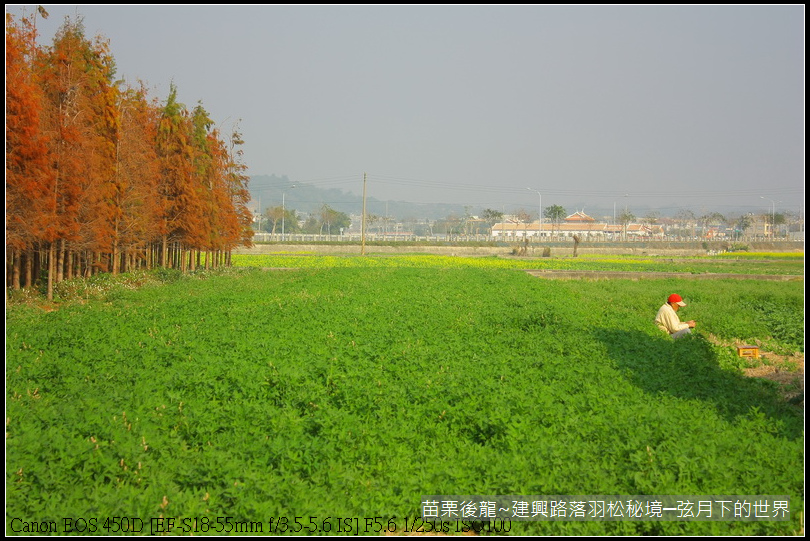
579, 217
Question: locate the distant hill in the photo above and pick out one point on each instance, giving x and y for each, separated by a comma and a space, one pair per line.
268, 190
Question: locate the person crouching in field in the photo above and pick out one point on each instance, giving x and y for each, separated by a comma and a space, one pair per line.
668, 321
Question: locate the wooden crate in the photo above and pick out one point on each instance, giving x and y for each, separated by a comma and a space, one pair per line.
748, 351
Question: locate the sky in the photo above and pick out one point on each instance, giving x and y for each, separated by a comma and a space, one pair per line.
503, 107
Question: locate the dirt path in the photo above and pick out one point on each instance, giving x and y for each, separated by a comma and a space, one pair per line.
609, 275
786, 370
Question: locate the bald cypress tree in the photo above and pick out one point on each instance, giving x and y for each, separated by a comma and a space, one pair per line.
29, 177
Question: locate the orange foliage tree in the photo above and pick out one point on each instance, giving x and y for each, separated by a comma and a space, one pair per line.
99, 178
29, 178
137, 203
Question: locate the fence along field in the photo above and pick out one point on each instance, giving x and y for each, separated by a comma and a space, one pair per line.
351, 392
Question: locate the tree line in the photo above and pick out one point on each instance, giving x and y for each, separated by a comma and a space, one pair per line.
326, 220
100, 177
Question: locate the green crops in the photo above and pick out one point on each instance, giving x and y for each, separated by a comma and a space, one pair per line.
351, 392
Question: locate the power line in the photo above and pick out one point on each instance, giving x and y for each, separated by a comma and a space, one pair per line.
389, 180
508, 195
750, 192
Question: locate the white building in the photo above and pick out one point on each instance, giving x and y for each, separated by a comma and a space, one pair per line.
578, 223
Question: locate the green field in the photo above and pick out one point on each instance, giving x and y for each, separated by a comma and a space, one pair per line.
743, 263
349, 390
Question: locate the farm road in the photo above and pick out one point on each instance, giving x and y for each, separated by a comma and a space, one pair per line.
608, 275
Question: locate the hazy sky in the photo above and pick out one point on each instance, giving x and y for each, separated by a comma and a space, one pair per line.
591, 106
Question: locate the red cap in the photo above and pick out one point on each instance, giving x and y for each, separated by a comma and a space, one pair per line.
676, 299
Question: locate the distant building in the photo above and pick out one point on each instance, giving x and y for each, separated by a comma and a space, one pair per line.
758, 227
579, 217
577, 223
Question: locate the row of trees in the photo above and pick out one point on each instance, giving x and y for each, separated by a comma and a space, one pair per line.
743, 225
685, 224
688, 222
102, 178
326, 221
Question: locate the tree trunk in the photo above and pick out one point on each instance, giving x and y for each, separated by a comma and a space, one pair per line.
164, 251
51, 269
71, 255
60, 262
115, 258
30, 257
15, 270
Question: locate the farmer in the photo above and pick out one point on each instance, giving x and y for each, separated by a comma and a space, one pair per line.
667, 318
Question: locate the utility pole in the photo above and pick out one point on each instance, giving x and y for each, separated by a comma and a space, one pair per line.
540, 214
363, 223
773, 214
283, 212
260, 215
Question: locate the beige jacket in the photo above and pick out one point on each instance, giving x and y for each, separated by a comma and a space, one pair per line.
668, 321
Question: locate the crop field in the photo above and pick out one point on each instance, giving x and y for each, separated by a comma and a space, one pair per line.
349, 387
785, 264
